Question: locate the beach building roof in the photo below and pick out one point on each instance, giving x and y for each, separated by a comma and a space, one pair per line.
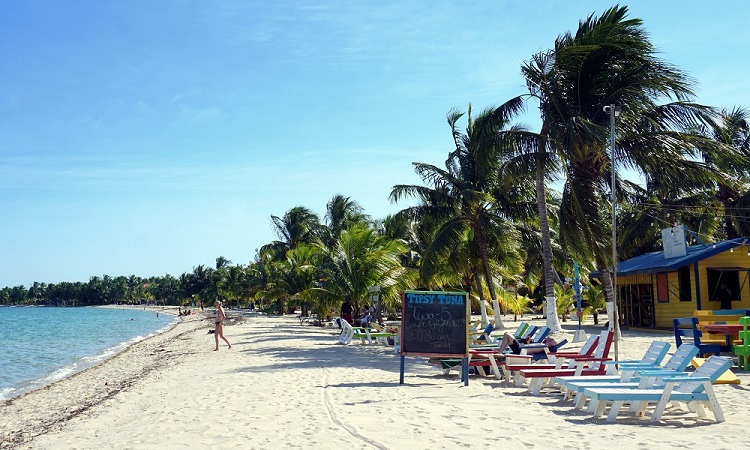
655, 262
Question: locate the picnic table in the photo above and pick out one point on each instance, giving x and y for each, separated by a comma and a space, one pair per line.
730, 331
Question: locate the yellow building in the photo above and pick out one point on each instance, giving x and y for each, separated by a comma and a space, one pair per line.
654, 289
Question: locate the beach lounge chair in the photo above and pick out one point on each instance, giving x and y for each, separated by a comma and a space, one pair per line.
686, 328
628, 373
483, 337
365, 335
694, 389
581, 365
743, 350
514, 363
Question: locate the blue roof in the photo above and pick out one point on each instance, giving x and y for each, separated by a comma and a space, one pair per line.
655, 262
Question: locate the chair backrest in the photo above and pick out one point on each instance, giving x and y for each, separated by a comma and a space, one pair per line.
655, 353
531, 329
540, 335
744, 334
682, 357
686, 327
589, 346
521, 328
712, 368
605, 342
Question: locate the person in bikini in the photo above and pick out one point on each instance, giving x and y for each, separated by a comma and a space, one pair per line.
219, 332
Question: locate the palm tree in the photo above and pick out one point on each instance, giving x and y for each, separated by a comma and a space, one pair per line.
340, 213
299, 225
594, 302
608, 61
360, 258
460, 197
731, 191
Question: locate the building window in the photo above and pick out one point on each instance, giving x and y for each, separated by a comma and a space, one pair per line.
662, 288
686, 287
717, 277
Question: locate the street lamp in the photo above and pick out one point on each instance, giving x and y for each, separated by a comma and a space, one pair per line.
613, 111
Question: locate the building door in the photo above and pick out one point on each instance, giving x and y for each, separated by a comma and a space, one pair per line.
637, 305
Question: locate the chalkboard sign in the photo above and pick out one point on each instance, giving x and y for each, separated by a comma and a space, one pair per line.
434, 323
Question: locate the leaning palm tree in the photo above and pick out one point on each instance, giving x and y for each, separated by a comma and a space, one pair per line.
609, 60
460, 196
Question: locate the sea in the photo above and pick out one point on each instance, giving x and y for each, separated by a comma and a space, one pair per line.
41, 345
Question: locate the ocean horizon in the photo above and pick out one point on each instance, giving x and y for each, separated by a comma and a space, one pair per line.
42, 345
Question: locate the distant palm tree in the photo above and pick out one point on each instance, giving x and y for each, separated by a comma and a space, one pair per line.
359, 259
340, 213
297, 226
460, 197
595, 302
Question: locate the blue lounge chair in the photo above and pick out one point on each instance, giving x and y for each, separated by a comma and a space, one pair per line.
694, 389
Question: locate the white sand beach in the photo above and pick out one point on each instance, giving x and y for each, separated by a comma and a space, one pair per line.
286, 385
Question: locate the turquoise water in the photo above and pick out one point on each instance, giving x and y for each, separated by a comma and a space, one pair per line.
40, 345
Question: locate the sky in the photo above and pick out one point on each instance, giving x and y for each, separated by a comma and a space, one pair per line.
146, 138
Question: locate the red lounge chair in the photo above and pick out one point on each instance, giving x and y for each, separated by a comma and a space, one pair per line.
514, 363
584, 366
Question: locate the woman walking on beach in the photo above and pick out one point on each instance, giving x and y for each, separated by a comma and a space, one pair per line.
219, 332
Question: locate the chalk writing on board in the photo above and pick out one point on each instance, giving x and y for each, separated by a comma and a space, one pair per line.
434, 322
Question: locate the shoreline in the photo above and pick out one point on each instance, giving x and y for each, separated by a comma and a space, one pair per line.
103, 354
286, 384
93, 385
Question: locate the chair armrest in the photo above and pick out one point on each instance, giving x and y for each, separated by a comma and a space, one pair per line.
681, 378
627, 362
656, 373
590, 358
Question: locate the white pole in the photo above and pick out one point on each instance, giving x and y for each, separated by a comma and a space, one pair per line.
612, 111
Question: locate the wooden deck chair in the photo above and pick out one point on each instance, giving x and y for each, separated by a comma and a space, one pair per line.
686, 328
631, 374
581, 365
365, 335
694, 389
520, 330
652, 358
514, 363
743, 350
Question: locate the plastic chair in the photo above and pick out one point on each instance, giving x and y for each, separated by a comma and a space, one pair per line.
743, 350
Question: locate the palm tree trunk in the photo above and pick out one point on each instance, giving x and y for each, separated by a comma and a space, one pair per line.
553, 322
609, 293
480, 293
482, 243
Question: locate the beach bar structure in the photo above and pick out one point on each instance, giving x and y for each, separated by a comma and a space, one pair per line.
657, 287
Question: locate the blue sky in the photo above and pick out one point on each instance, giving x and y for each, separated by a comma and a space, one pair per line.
146, 138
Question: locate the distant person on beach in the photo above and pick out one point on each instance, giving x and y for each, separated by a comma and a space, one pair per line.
346, 311
366, 318
219, 332
725, 296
